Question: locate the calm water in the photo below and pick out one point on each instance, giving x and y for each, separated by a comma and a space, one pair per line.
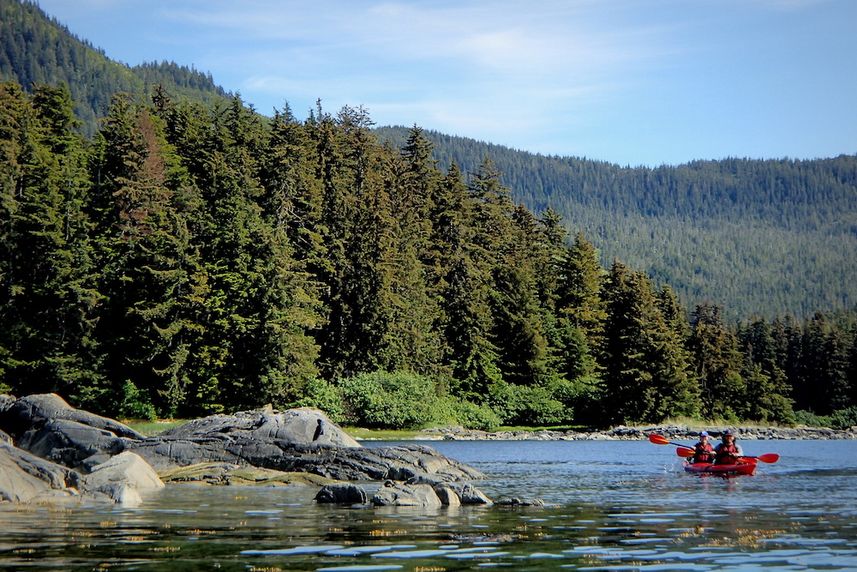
614, 506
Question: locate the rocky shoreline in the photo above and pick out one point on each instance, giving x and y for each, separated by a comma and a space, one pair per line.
623, 433
50, 451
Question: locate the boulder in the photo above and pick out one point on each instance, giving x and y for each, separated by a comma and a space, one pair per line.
25, 477
342, 493
400, 494
447, 496
517, 501
122, 478
69, 442
470, 494
303, 426
25, 413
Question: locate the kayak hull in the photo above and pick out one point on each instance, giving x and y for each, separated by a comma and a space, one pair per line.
747, 468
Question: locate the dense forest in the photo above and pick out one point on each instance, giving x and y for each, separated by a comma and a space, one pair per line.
190, 259
37, 49
768, 237
765, 238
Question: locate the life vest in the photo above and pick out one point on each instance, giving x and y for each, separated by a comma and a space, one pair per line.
727, 454
703, 453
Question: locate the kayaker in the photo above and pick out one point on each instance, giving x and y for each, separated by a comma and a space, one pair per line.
728, 451
703, 452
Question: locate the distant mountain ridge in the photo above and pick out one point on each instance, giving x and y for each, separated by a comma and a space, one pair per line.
38, 49
766, 237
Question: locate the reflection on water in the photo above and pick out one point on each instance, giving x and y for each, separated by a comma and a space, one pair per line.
613, 506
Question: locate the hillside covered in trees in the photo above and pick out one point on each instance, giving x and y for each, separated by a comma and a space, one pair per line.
768, 237
757, 237
37, 49
192, 259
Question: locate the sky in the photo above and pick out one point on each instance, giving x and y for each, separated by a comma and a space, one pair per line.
632, 82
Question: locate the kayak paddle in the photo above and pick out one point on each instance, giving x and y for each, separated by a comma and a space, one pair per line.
686, 451
766, 458
661, 440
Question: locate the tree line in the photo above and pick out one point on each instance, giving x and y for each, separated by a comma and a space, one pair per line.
190, 259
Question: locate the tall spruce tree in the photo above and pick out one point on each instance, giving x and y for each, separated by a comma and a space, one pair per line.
465, 292
50, 298
717, 364
766, 396
645, 368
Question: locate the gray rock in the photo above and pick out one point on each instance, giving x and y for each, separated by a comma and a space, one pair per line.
400, 494
27, 412
25, 477
447, 496
470, 494
516, 501
69, 442
122, 478
342, 494
339, 463
295, 426
6, 402
290, 442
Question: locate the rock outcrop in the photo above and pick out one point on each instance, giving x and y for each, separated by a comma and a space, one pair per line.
59, 448
122, 478
25, 477
342, 493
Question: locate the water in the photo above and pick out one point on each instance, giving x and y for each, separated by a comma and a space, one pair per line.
612, 506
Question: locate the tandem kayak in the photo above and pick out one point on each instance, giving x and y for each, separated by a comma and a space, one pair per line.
747, 467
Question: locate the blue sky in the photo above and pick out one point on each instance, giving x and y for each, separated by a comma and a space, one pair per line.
626, 81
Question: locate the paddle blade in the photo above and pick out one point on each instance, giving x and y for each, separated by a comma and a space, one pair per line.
684, 452
769, 458
658, 439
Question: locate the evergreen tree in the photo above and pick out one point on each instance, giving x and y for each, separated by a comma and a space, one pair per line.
766, 395
465, 291
50, 298
717, 364
645, 367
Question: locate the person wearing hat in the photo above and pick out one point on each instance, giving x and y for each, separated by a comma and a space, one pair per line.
728, 451
703, 452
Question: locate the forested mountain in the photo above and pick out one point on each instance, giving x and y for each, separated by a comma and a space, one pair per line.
37, 49
758, 237
768, 237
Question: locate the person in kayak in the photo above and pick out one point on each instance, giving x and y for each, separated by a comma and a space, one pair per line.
728, 451
703, 452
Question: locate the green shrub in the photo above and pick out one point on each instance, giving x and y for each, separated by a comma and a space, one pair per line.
523, 405
473, 416
841, 419
383, 400
136, 404
844, 418
322, 394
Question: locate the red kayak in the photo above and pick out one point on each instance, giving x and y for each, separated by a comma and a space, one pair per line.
745, 467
